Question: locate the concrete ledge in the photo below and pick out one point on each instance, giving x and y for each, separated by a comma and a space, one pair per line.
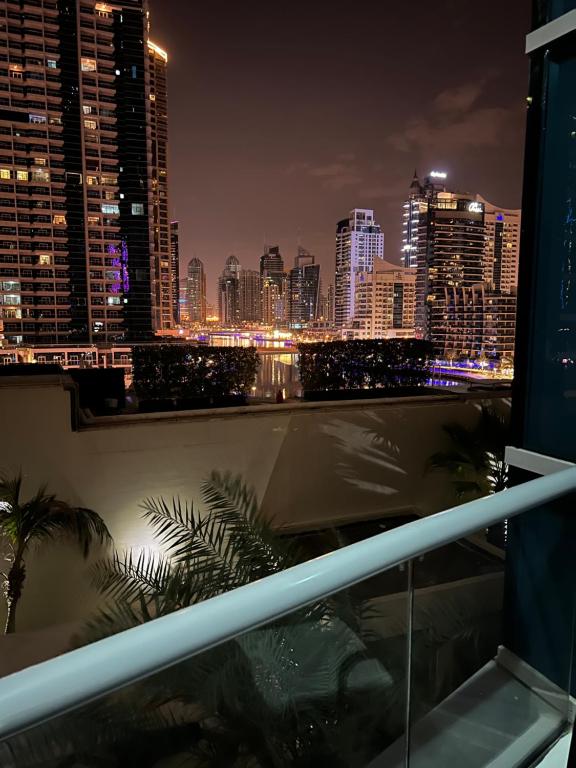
88, 421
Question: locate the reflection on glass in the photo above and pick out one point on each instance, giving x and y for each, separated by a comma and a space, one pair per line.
552, 368
322, 687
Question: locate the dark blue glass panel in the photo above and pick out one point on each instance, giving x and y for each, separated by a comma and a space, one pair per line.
550, 418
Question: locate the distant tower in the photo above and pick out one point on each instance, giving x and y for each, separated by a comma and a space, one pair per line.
359, 242
274, 288
250, 287
196, 291
160, 231
229, 293
175, 269
303, 290
272, 265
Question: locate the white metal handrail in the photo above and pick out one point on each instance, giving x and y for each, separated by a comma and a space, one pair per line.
41, 692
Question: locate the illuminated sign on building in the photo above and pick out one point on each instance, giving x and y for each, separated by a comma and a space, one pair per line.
475, 207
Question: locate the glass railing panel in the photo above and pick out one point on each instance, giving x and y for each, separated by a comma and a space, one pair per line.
471, 700
324, 686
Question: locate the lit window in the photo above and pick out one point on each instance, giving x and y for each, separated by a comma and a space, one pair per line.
152, 97
51, 64
109, 181
137, 209
59, 219
37, 118
93, 220
45, 259
39, 161
38, 174
22, 175
88, 65
4, 173
91, 180
87, 109
106, 208
91, 124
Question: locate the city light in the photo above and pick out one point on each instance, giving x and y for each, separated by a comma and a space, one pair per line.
438, 175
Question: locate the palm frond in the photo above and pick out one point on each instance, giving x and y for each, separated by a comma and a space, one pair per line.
126, 577
10, 488
48, 518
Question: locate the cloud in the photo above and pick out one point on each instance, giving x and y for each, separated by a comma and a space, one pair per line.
459, 99
340, 173
457, 123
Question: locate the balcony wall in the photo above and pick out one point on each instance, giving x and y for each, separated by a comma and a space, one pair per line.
312, 465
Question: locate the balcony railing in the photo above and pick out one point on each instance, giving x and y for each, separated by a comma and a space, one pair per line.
300, 643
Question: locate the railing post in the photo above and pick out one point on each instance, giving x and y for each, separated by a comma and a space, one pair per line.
409, 630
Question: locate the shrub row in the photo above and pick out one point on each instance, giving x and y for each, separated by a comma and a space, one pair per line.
372, 364
187, 371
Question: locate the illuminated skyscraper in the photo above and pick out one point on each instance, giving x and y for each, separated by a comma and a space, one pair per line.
464, 253
502, 241
229, 293
165, 280
175, 269
359, 242
76, 173
250, 290
196, 291
303, 290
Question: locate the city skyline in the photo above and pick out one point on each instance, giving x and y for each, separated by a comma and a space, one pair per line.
260, 143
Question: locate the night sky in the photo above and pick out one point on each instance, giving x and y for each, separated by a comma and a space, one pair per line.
284, 116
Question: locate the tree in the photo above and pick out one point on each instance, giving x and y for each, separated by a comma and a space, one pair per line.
36, 522
475, 459
300, 688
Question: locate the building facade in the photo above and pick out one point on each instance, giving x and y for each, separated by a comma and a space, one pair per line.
76, 253
464, 252
384, 304
250, 296
229, 293
196, 292
359, 243
474, 321
303, 290
502, 246
175, 268
165, 282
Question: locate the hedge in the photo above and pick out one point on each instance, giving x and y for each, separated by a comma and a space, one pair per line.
187, 371
372, 364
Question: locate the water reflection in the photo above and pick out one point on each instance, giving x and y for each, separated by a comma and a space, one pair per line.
279, 370
278, 373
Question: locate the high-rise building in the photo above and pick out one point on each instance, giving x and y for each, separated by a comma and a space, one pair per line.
272, 265
474, 320
175, 268
444, 241
272, 302
385, 303
77, 260
274, 287
250, 298
464, 252
196, 291
502, 246
184, 317
165, 282
359, 242
229, 293
303, 290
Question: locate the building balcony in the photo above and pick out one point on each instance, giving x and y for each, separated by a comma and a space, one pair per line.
393, 617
